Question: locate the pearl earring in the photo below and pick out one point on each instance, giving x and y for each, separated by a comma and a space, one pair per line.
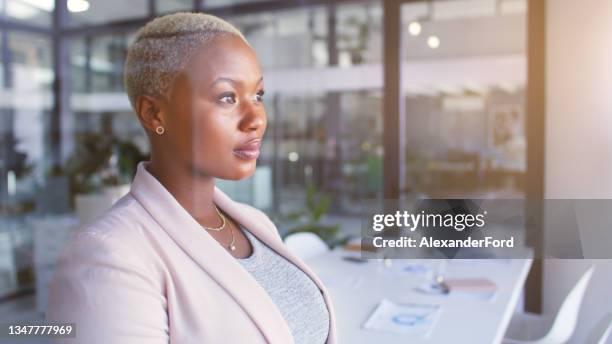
160, 130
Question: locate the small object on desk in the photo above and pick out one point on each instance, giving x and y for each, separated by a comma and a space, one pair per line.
436, 287
410, 269
441, 288
433, 288
409, 318
357, 247
355, 259
474, 285
477, 288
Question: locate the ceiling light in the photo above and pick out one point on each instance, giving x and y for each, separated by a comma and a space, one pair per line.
76, 6
433, 42
293, 156
414, 28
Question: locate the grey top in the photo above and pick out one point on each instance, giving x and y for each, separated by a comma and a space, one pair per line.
297, 297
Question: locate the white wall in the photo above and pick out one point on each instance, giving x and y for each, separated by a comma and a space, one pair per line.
579, 137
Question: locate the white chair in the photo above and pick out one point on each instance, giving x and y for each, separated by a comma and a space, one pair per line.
305, 245
601, 332
564, 322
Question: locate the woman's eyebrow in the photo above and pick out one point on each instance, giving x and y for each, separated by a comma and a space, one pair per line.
223, 79
231, 81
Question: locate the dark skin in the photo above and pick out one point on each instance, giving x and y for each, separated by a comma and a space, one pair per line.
214, 109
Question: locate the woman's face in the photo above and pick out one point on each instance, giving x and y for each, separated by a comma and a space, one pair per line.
215, 117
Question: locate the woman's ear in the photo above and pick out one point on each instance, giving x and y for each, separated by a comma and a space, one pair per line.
150, 112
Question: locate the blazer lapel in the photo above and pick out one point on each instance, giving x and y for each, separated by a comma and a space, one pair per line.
211, 257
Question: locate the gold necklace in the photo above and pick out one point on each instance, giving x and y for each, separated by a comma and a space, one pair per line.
231, 245
223, 222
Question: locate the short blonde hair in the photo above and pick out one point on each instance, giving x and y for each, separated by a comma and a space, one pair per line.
162, 48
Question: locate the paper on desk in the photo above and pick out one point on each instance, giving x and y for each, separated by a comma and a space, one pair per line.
406, 318
428, 288
411, 268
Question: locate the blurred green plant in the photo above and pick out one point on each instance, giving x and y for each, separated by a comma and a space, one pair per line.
99, 160
309, 218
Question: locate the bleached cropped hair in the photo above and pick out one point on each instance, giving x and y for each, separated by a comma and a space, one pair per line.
162, 48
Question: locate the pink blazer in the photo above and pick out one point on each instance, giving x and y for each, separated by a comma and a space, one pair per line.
146, 272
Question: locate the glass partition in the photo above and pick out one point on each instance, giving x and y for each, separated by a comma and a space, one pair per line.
85, 13
32, 12
463, 83
25, 106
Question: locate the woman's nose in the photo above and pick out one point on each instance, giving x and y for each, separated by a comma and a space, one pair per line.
254, 118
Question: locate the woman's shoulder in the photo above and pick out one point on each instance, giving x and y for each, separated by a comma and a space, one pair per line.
107, 277
124, 222
118, 236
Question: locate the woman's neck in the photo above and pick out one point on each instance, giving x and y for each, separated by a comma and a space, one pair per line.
193, 192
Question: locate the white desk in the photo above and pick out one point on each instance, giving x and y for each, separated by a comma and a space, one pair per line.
356, 290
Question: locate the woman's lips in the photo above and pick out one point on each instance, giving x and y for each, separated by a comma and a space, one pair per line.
248, 151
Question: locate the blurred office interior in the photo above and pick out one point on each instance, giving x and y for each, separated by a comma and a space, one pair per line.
446, 117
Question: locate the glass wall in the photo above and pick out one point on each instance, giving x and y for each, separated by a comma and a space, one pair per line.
25, 104
33, 12
304, 32
167, 6
463, 80
223, 3
359, 33
101, 113
341, 156
98, 12
326, 130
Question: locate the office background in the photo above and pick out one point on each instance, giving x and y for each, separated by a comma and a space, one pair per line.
475, 103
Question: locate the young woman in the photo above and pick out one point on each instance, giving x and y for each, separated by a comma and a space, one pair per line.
176, 260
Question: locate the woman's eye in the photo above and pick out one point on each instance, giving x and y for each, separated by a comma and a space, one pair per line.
228, 98
259, 96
